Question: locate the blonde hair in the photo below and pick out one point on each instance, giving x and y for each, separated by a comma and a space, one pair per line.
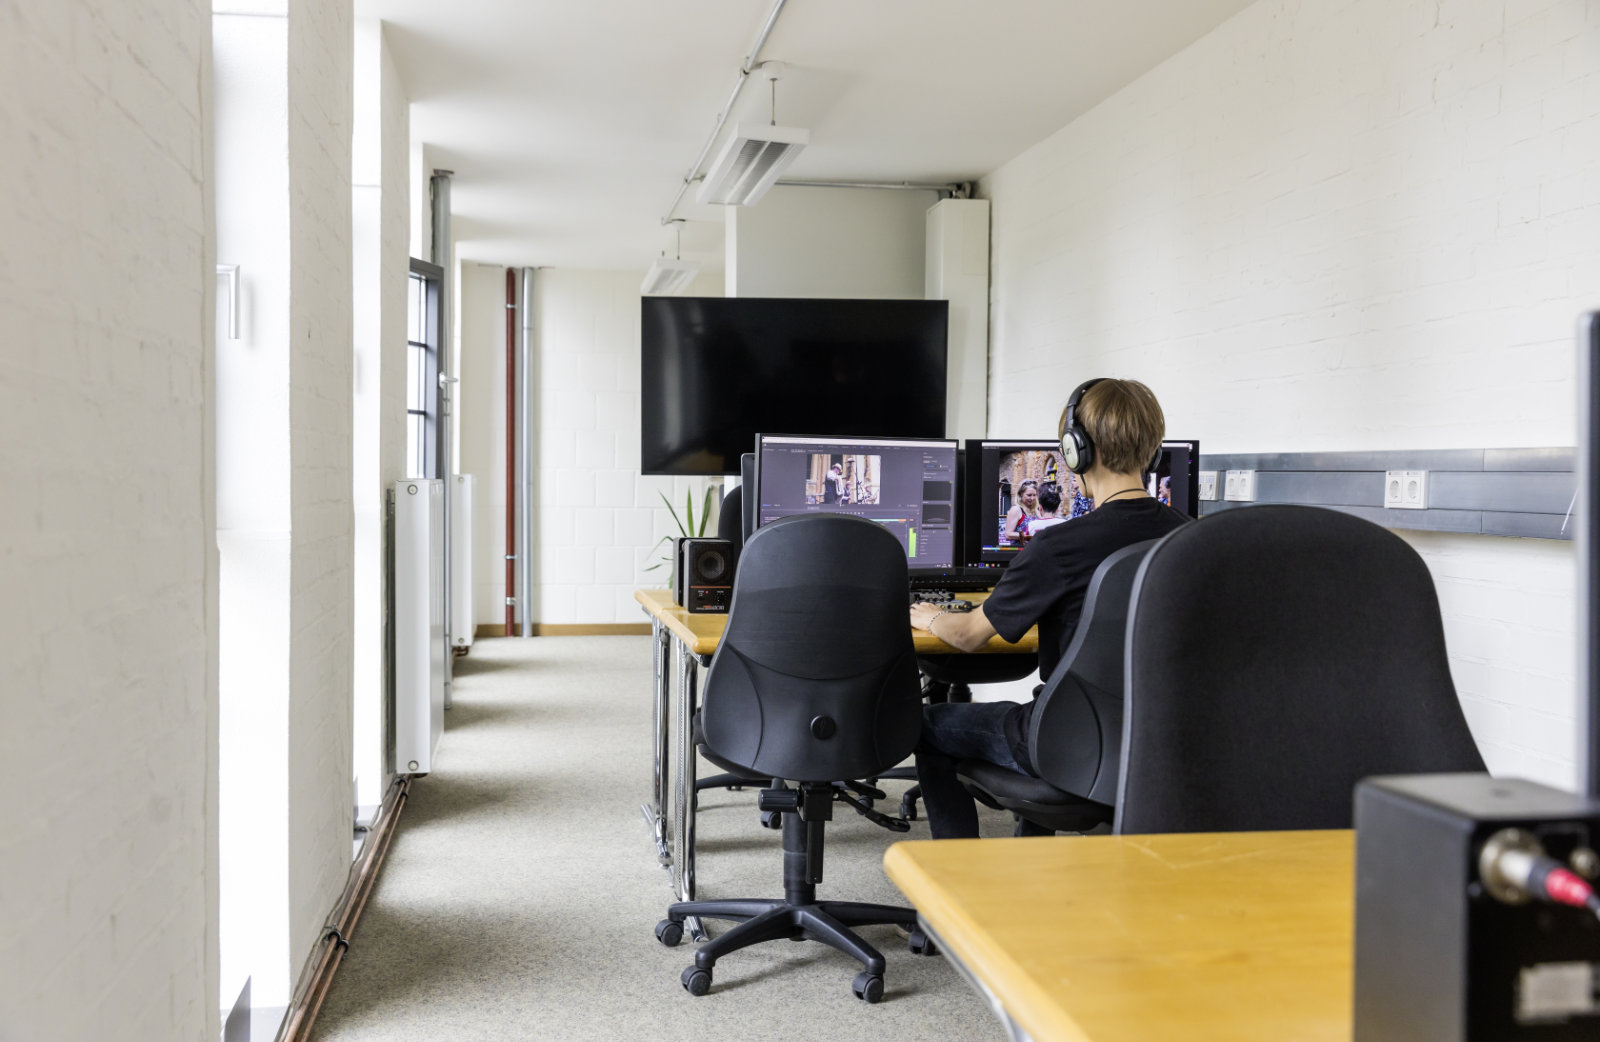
1125, 423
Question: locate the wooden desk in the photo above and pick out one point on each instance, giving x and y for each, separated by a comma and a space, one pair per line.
700, 634
1229, 937
695, 637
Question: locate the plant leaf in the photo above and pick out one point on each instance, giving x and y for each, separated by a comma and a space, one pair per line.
688, 512
671, 511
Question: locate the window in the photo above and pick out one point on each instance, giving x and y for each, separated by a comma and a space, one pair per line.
423, 337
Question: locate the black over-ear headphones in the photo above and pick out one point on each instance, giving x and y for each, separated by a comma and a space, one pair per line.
1077, 449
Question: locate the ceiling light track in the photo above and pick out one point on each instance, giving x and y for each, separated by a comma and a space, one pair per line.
749, 64
955, 189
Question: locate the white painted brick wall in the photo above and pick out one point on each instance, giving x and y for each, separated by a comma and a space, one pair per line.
321, 53
1353, 225
106, 840
596, 517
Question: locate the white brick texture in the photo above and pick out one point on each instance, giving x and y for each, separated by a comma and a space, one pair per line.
108, 693
1338, 225
321, 54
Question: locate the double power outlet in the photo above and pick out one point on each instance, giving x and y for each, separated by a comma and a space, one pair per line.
1405, 490
1238, 486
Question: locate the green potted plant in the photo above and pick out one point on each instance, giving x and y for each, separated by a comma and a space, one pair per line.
688, 527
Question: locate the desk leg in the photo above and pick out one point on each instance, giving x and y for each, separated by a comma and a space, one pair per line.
683, 819
655, 811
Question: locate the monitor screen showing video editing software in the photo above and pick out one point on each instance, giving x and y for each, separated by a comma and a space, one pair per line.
1016, 489
907, 485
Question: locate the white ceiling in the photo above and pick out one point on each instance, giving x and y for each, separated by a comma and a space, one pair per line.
570, 124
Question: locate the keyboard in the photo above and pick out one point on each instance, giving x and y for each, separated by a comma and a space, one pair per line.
950, 585
943, 598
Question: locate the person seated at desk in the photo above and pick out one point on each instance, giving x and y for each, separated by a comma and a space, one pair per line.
1111, 430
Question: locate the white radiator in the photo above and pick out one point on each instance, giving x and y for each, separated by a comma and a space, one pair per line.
463, 620
419, 651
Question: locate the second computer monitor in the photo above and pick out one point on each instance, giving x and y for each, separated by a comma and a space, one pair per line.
907, 485
1015, 489
1005, 480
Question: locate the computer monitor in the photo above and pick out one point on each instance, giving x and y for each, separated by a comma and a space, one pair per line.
1176, 481
907, 485
997, 475
998, 472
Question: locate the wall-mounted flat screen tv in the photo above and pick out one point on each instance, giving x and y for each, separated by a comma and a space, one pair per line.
716, 370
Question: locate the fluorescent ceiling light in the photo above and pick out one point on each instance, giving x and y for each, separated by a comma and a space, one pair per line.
668, 278
750, 162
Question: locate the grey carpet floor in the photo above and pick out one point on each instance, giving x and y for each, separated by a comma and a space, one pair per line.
520, 893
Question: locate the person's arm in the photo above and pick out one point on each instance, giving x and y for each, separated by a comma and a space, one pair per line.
962, 630
1013, 518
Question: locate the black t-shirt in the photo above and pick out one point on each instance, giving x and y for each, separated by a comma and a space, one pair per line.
1047, 581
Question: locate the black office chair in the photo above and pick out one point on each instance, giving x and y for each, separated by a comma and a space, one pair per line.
1075, 740
1275, 656
730, 521
814, 680
730, 526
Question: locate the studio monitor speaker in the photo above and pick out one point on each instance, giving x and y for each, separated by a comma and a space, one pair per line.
705, 570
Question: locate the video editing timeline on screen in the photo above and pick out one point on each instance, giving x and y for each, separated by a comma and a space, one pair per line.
906, 485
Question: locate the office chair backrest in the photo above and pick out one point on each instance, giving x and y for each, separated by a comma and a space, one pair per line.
730, 521
815, 678
749, 503
1076, 739
1275, 656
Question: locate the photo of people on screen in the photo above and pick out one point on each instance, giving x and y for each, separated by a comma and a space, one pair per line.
1159, 482
1035, 491
843, 479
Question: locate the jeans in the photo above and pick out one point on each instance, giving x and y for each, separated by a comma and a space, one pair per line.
951, 732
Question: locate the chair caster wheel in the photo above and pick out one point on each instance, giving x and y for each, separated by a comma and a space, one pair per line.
669, 933
697, 981
771, 819
908, 810
867, 986
919, 943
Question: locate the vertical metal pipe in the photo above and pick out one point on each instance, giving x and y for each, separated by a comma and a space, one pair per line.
525, 392
441, 251
511, 451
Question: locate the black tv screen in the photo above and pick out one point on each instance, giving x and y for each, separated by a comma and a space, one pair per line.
716, 370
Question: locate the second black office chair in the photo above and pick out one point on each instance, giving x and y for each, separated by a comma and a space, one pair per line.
1075, 741
1276, 655
815, 679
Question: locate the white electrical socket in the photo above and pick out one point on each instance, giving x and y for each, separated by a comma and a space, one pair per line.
1414, 490
1208, 484
1405, 489
1239, 486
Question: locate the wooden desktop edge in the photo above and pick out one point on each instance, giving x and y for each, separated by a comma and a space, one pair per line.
1031, 1007
960, 888
701, 632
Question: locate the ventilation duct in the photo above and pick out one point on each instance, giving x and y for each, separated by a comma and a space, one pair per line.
750, 162
668, 278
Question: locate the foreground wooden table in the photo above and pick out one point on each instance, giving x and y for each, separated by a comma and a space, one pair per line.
695, 638
1226, 936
